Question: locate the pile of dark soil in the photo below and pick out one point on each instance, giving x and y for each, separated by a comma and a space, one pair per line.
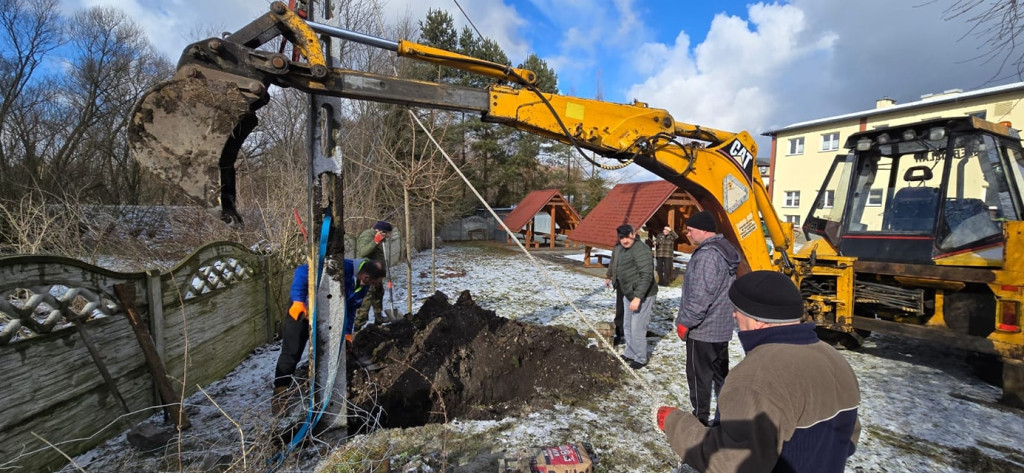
460, 361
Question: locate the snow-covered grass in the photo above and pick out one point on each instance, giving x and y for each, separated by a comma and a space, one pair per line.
922, 409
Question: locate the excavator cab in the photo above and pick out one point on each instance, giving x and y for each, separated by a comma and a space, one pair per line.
933, 192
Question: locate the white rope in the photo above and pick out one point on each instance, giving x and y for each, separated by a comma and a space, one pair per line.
602, 340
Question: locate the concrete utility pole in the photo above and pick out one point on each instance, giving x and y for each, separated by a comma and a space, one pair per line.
326, 195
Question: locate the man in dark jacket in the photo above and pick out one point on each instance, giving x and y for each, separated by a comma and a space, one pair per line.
789, 406
634, 274
705, 315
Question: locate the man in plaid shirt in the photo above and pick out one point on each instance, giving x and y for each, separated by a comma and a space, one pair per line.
705, 320
664, 252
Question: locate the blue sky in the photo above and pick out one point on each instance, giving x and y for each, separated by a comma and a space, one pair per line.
728, 64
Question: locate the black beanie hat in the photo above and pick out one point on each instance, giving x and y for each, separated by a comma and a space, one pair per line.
382, 226
702, 221
624, 230
767, 296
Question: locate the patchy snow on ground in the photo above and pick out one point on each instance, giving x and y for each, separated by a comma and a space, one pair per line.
922, 408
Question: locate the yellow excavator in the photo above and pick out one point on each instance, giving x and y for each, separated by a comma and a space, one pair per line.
915, 232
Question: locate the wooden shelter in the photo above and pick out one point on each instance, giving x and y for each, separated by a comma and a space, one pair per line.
652, 203
563, 218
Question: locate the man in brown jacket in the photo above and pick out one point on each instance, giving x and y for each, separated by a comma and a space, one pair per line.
789, 406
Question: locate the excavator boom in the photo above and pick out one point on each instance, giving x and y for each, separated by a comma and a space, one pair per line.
189, 129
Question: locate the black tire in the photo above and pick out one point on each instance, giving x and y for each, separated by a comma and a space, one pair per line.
988, 368
841, 340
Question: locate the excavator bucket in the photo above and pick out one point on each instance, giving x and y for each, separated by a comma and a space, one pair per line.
188, 130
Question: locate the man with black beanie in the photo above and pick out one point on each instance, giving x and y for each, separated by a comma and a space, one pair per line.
790, 405
705, 315
370, 245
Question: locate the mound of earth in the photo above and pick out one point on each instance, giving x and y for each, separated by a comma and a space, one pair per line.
460, 361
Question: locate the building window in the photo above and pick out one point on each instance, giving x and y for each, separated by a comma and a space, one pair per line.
794, 219
828, 200
830, 141
796, 146
874, 198
792, 199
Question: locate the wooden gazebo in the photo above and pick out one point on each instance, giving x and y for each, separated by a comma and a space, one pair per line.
653, 203
563, 219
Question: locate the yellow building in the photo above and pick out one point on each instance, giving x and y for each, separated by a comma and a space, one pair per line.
801, 153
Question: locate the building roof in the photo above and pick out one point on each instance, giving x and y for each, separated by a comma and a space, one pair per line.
926, 101
633, 203
533, 203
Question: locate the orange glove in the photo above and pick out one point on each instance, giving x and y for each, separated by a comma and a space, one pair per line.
681, 331
378, 238
660, 414
297, 310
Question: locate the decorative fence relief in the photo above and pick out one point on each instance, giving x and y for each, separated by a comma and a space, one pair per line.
73, 365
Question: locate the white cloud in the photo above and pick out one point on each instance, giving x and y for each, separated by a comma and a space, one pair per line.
782, 64
721, 82
173, 24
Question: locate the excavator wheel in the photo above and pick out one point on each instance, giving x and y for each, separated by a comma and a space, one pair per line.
843, 340
986, 367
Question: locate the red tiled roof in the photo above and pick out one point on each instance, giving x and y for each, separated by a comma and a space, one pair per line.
633, 203
533, 203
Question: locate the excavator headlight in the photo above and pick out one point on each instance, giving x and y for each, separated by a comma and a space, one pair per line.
863, 144
909, 135
883, 139
936, 134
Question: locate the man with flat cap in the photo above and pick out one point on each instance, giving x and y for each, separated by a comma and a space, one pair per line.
789, 406
634, 275
705, 315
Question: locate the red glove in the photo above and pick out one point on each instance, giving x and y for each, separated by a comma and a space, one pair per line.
661, 414
681, 331
297, 310
379, 237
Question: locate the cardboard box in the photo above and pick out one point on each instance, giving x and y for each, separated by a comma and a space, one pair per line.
573, 458
562, 459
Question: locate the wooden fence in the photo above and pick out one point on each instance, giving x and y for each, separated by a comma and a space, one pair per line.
69, 355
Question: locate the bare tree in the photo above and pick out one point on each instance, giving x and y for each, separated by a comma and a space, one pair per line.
414, 163
30, 32
1000, 25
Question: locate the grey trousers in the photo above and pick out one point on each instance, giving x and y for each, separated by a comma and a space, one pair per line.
634, 326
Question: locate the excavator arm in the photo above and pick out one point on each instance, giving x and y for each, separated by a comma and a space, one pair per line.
189, 129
